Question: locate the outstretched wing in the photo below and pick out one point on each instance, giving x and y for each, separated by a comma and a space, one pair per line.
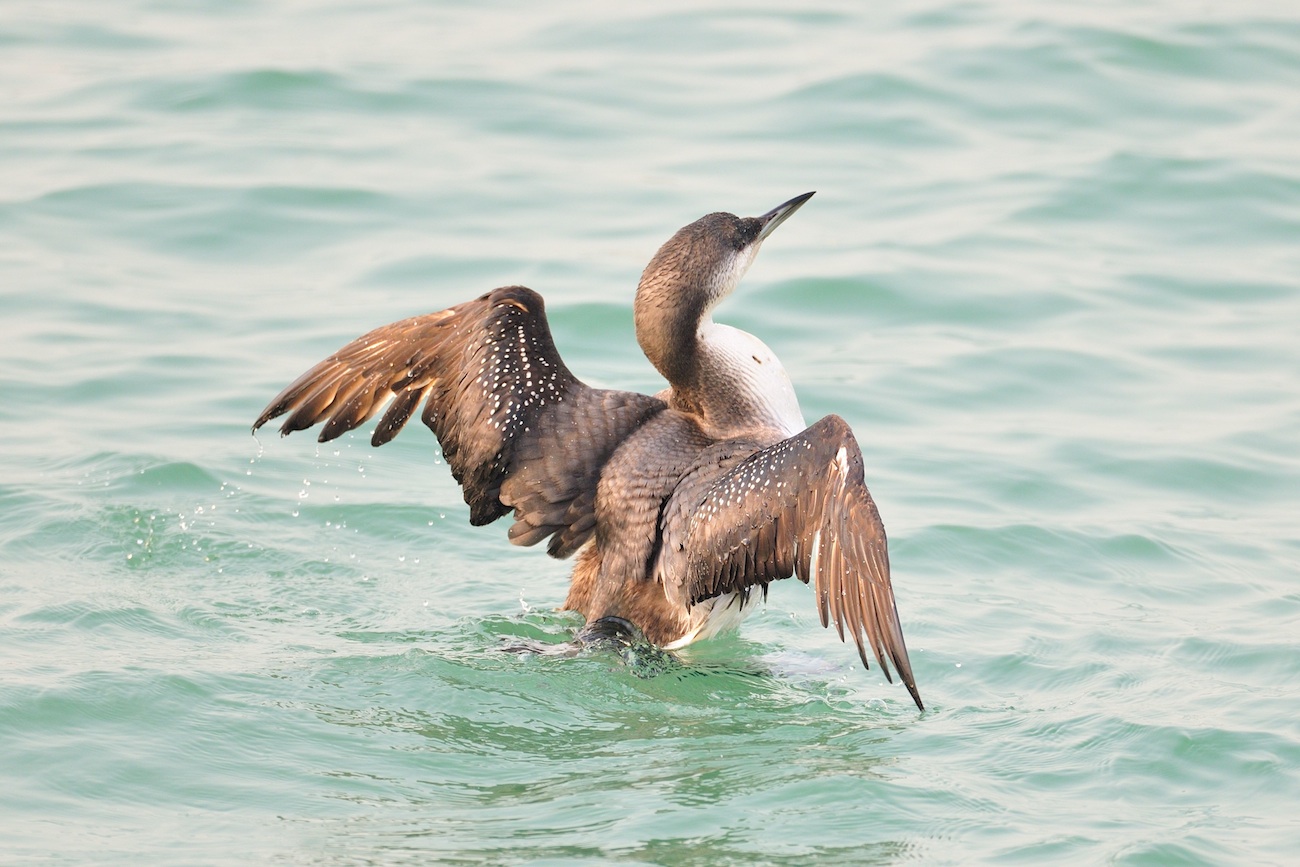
799, 506
517, 428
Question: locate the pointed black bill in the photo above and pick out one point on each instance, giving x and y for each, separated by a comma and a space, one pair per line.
778, 215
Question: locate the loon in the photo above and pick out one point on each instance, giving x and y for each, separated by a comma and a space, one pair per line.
679, 505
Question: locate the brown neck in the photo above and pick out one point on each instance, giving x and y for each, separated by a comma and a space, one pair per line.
667, 328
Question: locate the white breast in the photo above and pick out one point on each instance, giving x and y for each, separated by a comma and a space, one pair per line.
713, 617
763, 393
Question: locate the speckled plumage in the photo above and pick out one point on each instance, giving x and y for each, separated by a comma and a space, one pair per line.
682, 504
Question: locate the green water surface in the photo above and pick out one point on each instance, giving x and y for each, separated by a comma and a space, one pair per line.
1051, 277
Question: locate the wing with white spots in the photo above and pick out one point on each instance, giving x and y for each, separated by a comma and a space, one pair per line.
516, 427
798, 507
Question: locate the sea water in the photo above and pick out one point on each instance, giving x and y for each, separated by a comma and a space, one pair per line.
1050, 277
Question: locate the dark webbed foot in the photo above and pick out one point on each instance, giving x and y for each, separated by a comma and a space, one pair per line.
610, 633
625, 638
607, 635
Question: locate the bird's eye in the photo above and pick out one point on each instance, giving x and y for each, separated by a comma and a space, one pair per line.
746, 232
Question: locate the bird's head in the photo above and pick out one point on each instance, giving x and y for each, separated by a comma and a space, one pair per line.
703, 262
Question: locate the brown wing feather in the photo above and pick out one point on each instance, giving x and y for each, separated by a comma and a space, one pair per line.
799, 506
518, 430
